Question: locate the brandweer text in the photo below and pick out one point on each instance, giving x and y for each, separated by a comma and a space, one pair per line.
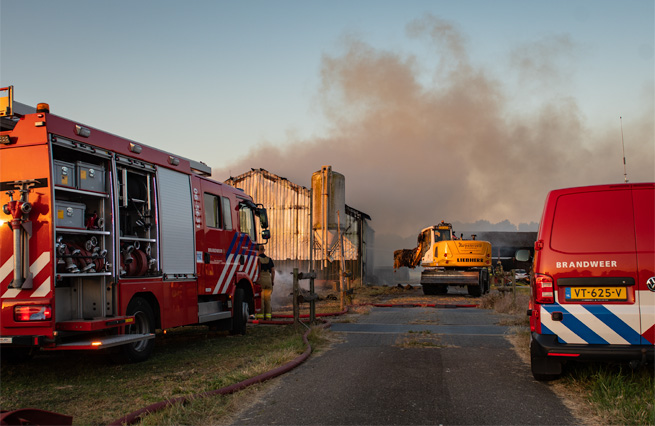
587, 264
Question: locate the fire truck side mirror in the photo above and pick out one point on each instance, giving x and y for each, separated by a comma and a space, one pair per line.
263, 217
266, 234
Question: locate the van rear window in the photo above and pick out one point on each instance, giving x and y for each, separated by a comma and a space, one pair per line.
593, 222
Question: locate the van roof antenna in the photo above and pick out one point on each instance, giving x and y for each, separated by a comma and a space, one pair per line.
625, 172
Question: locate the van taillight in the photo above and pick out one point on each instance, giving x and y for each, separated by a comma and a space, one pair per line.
32, 313
544, 287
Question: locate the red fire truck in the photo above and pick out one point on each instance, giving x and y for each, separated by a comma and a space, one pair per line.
104, 240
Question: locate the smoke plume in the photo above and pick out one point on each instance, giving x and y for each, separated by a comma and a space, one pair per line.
421, 140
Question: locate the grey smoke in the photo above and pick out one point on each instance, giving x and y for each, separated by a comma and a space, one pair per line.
454, 146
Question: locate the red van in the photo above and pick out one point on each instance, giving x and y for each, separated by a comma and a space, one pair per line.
593, 277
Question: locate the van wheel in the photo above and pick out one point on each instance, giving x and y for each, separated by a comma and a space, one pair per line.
544, 369
543, 377
144, 323
240, 311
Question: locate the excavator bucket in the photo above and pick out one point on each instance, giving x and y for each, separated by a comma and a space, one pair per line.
405, 257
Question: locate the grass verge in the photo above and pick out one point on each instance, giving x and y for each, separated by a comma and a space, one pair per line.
188, 361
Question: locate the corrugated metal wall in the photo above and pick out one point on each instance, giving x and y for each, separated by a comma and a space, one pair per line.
288, 206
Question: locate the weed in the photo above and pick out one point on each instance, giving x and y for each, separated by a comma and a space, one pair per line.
419, 339
619, 394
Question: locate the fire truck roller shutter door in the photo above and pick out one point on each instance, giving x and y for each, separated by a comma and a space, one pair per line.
177, 226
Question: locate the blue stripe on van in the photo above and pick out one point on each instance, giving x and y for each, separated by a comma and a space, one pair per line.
546, 330
615, 323
571, 322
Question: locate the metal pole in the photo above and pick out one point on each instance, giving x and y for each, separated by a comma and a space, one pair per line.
312, 303
325, 212
342, 272
296, 310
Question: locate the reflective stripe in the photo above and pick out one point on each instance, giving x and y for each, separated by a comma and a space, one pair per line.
574, 325
594, 323
615, 323
228, 261
7, 268
43, 289
37, 266
233, 267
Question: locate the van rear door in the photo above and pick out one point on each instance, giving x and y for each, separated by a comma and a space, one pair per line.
644, 211
594, 268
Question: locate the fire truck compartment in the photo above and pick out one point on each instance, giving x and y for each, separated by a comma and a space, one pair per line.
90, 177
64, 173
69, 214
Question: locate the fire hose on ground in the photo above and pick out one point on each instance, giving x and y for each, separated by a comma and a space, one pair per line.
136, 415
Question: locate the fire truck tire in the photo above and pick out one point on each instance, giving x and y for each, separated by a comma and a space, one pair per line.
240, 318
144, 322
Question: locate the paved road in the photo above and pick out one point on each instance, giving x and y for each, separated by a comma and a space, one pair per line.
403, 366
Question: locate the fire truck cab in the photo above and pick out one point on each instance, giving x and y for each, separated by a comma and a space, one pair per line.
103, 240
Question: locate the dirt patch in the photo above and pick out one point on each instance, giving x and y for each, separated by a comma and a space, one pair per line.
420, 339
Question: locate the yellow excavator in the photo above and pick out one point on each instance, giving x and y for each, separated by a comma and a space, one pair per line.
448, 260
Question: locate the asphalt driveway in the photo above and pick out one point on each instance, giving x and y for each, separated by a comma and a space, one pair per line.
398, 366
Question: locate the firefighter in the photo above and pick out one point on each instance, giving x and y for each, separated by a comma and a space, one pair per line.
266, 280
500, 274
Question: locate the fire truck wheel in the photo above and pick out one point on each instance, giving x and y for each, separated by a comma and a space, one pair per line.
144, 322
240, 313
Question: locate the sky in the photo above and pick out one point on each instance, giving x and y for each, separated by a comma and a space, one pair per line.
465, 111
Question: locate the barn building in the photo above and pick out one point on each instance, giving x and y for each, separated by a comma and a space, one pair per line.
308, 226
